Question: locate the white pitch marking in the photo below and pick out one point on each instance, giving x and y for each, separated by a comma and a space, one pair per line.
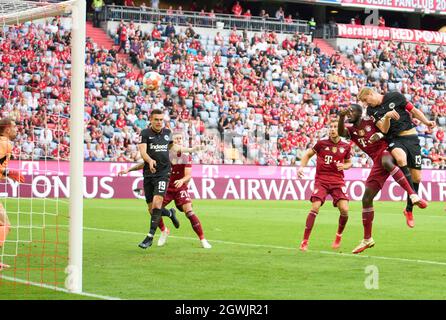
279, 247
86, 294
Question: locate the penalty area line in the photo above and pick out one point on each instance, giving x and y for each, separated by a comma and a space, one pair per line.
46, 286
282, 248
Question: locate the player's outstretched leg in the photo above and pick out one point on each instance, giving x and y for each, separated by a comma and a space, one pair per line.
368, 214
196, 225
402, 176
309, 224
171, 214
343, 218
408, 212
154, 222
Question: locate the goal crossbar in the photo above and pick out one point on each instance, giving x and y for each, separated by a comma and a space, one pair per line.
17, 11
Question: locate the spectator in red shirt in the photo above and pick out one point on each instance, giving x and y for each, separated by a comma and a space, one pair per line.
121, 122
440, 135
237, 9
381, 22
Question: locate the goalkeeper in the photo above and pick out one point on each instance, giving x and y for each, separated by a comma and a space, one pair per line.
8, 132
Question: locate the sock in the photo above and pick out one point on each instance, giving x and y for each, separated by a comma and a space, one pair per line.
154, 222
342, 222
367, 220
409, 205
408, 176
4, 230
400, 178
309, 224
165, 212
195, 223
161, 224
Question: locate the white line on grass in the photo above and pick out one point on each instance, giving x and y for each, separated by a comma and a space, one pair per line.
41, 285
280, 247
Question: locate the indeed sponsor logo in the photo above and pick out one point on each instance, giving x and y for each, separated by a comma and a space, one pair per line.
158, 147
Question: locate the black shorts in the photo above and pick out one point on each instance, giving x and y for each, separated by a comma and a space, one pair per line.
155, 186
411, 146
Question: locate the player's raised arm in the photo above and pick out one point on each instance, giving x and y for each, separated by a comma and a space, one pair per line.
304, 161
177, 148
342, 131
417, 114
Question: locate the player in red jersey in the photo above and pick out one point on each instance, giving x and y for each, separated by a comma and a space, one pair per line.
333, 157
368, 138
177, 190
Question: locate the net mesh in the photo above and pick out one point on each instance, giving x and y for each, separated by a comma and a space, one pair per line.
36, 248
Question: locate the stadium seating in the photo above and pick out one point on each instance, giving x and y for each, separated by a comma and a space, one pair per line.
238, 81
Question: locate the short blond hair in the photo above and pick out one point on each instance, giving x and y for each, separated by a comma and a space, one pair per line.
365, 91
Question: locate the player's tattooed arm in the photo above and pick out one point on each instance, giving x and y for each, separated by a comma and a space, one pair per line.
342, 131
182, 149
384, 123
304, 161
136, 167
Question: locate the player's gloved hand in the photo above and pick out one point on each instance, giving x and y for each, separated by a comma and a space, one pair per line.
340, 166
179, 183
152, 165
300, 172
16, 176
392, 115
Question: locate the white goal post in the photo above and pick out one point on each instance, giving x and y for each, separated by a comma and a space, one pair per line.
17, 11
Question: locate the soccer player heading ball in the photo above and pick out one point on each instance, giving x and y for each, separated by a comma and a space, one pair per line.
333, 157
392, 115
364, 133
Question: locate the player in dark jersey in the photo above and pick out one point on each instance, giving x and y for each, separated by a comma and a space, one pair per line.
177, 190
393, 114
333, 157
364, 133
156, 141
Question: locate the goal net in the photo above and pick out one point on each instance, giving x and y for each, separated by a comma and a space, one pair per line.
42, 79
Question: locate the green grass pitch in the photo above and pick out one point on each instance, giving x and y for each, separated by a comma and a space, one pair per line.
254, 256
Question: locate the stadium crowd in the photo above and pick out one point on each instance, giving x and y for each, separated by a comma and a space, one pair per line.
253, 100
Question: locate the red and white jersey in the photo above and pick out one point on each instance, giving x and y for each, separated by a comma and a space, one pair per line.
180, 161
361, 134
328, 154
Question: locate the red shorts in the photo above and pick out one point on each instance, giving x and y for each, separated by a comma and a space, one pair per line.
180, 196
378, 175
322, 190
